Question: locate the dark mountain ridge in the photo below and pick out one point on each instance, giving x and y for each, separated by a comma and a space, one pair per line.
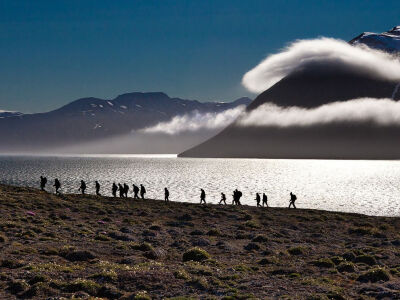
90, 119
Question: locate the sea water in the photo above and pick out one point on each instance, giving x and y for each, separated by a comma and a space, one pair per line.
368, 187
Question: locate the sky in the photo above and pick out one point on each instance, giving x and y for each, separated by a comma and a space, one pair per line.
53, 52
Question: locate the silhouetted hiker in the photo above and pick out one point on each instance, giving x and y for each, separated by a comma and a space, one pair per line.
120, 190
82, 187
166, 195
223, 199
236, 197
142, 191
57, 185
114, 189
126, 190
97, 188
258, 199
293, 198
43, 181
265, 200
239, 195
136, 192
202, 196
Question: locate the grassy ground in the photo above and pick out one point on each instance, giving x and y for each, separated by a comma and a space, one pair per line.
85, 246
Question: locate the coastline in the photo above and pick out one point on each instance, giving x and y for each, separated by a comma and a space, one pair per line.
123, 248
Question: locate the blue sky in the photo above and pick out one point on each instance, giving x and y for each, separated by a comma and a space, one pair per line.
53, 52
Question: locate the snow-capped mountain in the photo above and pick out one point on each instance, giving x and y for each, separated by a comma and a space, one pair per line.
388, 41
90, 119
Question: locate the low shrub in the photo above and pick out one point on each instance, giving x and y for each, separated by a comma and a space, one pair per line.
252, 246
360, 231
374, 275
78, 255
85, 285
142, 296
18, 286
12, 263
296, 251
324, 263
196, 254
264, 261
142, 247
366, 259
346, 268
214, 232
349, 256
260, 239
3, 238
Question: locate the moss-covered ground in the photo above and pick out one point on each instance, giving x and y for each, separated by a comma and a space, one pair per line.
84, 247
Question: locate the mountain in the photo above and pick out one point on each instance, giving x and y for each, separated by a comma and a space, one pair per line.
310, 88
7, 114
91, 119
388, 41
329, 141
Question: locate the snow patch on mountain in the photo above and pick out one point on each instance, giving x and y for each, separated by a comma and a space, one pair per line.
8, 114
388, 41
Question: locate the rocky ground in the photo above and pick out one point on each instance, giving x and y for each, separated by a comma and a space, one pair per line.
76, 246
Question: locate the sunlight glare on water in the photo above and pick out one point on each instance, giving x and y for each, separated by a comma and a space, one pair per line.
369, 187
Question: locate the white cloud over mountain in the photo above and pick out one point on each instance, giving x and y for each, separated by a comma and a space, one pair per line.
379, 112
325, 53
196, 121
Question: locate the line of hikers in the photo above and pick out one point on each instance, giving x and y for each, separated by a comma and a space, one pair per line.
238, 194
123, 190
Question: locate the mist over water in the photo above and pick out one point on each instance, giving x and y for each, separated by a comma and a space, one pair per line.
369, 187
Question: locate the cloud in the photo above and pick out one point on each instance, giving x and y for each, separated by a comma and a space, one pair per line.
196, 121
381, 112
325, 53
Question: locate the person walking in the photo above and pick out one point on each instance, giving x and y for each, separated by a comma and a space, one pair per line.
114, 190
82, 188
258, 199
121, 190
166, 195
223, 199
135, 191
43, 181
97, 184
293, 199
265, 200
142, 191
202, 196
126, 190
57, 185
234, 197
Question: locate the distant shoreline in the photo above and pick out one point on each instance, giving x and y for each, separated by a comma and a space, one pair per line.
91, 155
